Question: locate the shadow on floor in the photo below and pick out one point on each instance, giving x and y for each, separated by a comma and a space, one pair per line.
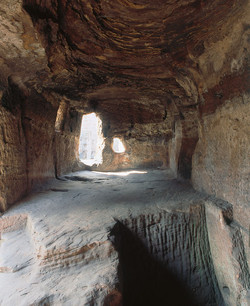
142, 279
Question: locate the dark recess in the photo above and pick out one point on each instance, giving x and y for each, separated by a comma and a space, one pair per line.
142, 279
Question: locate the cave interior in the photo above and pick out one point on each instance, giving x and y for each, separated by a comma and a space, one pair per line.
168, 83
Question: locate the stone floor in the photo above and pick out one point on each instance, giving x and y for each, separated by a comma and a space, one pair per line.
56, 246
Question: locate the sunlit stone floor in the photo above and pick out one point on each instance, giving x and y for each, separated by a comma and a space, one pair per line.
55, 245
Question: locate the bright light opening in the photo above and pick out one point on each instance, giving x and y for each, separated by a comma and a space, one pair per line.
91, 142
118, 146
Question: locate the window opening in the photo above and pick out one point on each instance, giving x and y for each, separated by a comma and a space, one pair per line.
91, 142
118, 146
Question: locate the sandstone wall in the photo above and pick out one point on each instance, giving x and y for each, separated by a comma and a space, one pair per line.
13, 175
31, 151
146, 144
39, 130
66, 144
221, 164
140, 153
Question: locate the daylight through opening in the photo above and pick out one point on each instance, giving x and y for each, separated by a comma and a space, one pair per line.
91, 142
118, 146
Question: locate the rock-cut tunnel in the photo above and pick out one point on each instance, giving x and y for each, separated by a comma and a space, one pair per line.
148, 204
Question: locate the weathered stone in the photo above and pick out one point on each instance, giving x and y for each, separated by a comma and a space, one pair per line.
145, 239
221, 160
171, 80
13, 169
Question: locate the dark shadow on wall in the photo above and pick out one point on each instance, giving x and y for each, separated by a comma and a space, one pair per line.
142, 279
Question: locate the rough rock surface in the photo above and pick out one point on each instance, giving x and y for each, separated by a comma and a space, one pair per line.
12, 160
221, 164
151, 70
170, 78
145, 239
